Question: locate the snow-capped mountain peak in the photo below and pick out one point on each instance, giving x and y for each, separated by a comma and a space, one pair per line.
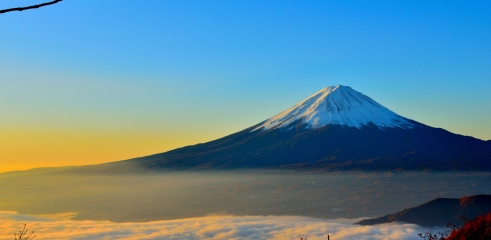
338, 105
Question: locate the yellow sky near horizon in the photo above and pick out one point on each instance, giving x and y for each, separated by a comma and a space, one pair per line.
24, 149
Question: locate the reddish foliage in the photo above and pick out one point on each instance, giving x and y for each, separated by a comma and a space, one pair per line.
477, 229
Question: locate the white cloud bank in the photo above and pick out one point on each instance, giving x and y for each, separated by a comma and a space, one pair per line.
211, 227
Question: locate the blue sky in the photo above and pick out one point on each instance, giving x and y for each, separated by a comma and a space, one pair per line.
198, 70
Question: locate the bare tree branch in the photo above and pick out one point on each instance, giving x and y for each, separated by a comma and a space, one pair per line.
29, 7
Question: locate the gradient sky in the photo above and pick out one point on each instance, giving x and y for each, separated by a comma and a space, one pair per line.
94, 81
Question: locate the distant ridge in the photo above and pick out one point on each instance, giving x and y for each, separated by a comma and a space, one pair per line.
438, 212
337, 128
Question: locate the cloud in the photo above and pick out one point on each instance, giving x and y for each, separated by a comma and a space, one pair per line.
210, 227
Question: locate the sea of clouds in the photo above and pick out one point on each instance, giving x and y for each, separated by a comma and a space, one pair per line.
61, 226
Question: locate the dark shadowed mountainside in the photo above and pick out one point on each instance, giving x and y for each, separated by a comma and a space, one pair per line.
331, 148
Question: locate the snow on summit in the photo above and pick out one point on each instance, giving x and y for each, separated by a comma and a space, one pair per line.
339, 105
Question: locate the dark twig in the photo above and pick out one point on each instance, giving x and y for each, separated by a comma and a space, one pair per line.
22, 234
29, 7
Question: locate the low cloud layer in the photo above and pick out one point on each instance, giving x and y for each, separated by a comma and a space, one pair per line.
211, 227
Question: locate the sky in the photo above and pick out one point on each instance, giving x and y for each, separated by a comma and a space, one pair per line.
85, 82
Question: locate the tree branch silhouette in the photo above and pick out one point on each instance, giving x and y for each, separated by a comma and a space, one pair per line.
29, 7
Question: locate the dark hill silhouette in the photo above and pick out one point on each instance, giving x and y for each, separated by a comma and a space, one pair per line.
438, 212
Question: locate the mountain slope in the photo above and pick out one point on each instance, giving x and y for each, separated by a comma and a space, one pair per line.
336, 128
438, 212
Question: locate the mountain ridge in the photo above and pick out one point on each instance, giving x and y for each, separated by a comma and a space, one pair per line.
291, 143
438, 212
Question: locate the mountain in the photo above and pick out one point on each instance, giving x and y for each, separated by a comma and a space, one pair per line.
336, 128
438, 212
